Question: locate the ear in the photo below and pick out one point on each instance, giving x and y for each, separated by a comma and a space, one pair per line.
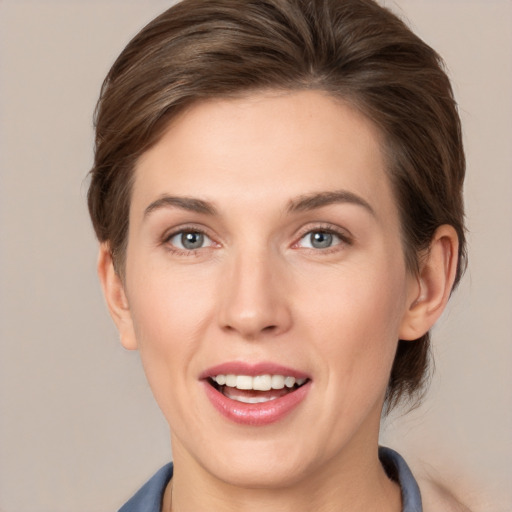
431, 292
115, 296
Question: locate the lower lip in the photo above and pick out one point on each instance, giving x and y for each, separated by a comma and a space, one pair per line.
260, 414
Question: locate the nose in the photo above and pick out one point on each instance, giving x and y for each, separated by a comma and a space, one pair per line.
254, 301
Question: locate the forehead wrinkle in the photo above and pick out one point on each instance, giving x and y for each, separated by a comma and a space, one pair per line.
319, 199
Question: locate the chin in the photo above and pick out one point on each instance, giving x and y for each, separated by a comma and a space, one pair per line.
259, 472
251, 462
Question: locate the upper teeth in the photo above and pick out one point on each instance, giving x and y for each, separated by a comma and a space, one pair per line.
258, 382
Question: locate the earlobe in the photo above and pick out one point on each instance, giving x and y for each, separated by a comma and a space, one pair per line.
434, 284
115, 296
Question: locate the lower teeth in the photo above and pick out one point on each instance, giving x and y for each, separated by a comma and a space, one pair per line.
251, 399
252, 396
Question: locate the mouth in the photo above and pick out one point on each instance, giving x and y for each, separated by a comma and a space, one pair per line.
255, 389
255, 395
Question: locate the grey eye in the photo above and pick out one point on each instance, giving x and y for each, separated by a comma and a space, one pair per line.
189, 240
319, 240
192, 240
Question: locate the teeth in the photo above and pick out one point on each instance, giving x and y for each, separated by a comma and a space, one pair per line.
231, 381
243, 382
289, 382
258, 383
277, 382
253, 399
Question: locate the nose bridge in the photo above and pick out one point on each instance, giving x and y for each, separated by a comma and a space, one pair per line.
253, 302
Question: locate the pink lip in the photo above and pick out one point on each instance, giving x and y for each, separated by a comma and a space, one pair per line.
241, 368
254, 414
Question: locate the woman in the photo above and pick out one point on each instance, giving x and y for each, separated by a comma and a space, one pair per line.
277, 191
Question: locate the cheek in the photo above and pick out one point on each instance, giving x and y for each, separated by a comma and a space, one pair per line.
169, 307
169, 317
354, 319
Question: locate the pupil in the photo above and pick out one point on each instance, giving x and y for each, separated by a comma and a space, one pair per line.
192, 240
321, 240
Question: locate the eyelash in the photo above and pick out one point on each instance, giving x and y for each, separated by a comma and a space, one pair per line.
344, 239
182, 231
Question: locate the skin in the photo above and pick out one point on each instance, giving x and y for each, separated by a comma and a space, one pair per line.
257, 290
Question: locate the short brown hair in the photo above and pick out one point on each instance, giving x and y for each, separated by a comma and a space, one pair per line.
352, 49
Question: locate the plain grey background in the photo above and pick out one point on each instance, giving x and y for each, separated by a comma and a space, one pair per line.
79, 430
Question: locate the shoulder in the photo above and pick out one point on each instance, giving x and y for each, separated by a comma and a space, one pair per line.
437, 498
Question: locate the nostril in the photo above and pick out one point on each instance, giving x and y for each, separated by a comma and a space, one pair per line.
254, 331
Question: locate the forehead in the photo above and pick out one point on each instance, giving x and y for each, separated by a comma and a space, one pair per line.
266, 146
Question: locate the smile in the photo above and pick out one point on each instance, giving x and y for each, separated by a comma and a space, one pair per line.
255, 389
255, 395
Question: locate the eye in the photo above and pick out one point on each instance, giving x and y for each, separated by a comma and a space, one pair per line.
320, 239
190, 240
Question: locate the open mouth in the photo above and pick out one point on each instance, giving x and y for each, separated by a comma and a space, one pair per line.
255, 389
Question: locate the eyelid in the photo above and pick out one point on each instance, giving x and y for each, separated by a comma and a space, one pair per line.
187, 228
343, 234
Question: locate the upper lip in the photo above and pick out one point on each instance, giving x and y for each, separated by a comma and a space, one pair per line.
252, 369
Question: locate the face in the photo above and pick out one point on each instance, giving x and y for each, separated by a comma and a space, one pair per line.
265, 285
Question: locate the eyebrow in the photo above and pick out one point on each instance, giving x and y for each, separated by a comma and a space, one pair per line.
190, 204
302, 203
320, 199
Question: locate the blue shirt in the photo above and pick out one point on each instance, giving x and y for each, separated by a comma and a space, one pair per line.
149, 497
